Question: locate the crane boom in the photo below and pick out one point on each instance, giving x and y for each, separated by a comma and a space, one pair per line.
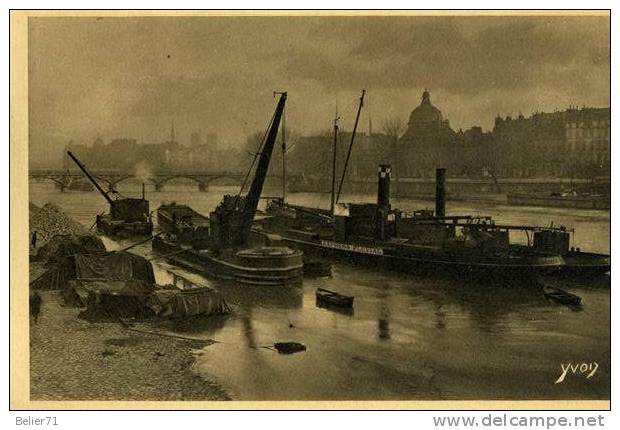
90, 178
253, 196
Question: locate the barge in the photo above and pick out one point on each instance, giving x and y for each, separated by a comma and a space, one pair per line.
128, 217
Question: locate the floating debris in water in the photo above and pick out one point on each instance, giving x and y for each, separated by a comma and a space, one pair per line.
289, 347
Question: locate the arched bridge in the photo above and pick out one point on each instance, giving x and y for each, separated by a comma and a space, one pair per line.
110, 179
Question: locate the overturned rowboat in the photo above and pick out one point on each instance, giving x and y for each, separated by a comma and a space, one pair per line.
332, 298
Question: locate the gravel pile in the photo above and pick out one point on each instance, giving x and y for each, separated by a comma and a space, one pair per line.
50, 220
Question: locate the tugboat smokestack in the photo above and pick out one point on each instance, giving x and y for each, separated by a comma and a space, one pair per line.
383, 191
440, 193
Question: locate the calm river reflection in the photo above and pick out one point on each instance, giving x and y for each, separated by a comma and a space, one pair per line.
408, 337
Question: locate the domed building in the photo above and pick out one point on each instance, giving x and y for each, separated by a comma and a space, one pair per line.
428, 142
426, 116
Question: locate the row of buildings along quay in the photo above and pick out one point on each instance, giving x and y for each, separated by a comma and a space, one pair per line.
571, 147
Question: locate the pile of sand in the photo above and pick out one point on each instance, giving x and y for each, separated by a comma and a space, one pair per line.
50, 220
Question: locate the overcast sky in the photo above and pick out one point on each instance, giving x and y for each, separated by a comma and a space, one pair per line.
129, 77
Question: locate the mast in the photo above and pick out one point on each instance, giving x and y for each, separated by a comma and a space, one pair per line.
283, 155
253, 196
346, 163
334, 154
283, 150
90, 178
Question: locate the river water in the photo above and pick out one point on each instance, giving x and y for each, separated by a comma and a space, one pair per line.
408, 337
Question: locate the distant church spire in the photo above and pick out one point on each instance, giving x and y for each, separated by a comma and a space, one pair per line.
172, 132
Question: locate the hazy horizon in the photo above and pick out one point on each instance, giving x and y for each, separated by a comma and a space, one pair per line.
109, 78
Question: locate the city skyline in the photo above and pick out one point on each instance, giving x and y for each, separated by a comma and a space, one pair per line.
130, 77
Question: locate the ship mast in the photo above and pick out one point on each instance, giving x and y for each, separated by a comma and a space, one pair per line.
346, 163
283, 156
334, 154
283, 150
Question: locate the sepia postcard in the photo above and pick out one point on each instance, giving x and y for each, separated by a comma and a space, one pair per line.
310, 210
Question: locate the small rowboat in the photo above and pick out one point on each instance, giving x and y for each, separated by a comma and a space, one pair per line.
334, 299
561, 296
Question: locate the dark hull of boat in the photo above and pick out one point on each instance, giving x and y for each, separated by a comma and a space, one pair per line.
585, 264
332, 299
562, 297
281, 270
166, 215
109, 227
420, 264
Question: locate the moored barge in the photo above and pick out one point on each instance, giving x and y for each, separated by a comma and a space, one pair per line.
127, 217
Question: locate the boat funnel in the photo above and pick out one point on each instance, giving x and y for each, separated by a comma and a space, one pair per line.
383, 191
440, 193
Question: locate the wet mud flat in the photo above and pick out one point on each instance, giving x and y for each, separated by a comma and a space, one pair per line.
74, 359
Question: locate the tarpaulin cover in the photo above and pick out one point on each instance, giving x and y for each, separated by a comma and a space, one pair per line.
56, 277
119, 266
111, 266
110, 299
62, 246
174, 302
92, 293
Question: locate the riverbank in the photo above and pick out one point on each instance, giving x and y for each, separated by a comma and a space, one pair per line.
74, 359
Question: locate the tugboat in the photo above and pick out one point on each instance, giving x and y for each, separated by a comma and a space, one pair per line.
223, 250
128, 217
428, 242
422, 242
